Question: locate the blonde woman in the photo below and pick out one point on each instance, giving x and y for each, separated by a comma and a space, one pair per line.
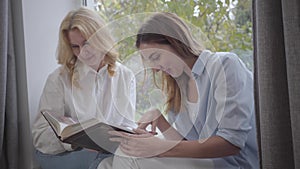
89, 83
210, 105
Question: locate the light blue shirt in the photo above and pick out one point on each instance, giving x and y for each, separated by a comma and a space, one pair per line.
225, 108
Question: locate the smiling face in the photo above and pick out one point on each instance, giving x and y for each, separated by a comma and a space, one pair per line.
162, 57
83, 50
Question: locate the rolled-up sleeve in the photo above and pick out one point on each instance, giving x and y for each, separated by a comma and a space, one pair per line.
52, 99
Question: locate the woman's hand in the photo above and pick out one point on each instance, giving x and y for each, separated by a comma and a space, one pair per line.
156, 119
141, 144
152, 118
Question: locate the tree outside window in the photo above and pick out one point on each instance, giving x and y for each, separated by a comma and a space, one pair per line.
226, 25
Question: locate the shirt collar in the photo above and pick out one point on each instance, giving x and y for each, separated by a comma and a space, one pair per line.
84, 69
199, 65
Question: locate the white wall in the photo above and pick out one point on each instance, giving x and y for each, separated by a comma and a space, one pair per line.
41, 19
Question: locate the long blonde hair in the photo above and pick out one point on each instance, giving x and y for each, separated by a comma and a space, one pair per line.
168, 28
92, 28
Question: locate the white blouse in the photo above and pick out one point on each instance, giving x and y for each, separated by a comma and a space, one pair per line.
95, 94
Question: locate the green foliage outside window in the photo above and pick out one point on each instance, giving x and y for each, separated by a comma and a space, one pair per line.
225, 23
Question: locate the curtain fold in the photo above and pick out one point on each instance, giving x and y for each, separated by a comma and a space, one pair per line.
9, 145
277, 80
291, 18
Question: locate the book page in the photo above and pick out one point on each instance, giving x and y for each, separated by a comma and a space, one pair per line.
65, 122
58, 122
77, 127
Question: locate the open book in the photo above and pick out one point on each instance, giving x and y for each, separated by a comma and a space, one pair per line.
92, 133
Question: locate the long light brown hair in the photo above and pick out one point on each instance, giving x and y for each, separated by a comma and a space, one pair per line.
168, 28
92, 28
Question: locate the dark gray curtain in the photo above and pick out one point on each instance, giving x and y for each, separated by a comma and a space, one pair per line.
9, 128
277, 81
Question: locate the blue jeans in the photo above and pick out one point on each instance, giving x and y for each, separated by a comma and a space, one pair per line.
81, 159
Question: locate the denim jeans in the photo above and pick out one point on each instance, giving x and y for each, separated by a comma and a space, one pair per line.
81, 159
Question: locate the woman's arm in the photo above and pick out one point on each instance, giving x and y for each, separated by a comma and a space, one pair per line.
212, 147
52, 99
147, 145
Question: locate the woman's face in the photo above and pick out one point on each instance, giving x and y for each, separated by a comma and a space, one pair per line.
83, 50
162, 57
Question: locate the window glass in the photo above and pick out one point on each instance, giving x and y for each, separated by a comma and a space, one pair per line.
224, 25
